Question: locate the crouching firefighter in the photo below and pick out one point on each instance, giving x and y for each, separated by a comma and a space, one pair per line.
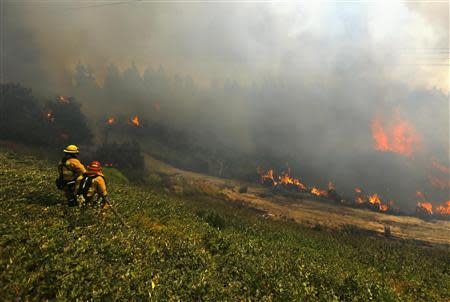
91, 187
70, 168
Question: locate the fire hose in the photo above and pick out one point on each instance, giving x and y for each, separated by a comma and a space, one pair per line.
117, 214
106, 201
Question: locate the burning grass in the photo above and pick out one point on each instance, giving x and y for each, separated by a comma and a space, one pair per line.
192, 249
285, 181
135, 121
427, 209
371, 201
111, 121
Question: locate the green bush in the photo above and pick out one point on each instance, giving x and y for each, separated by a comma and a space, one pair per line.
115, 175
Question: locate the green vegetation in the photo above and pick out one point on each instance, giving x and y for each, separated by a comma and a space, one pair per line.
115, 176
191, 249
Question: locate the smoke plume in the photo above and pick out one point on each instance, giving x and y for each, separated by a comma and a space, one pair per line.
356, 93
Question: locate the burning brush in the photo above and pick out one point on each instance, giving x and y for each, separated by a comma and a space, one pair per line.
287, 182
135, 121
284, 180
110, 121
443, 209
63, 99
425, 209
50, 116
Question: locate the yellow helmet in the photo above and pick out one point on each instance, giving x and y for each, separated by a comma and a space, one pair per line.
71, 149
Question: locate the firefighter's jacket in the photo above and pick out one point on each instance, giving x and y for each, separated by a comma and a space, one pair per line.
71, 169
96, 187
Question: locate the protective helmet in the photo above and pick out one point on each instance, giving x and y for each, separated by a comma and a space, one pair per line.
94, 166
72, 149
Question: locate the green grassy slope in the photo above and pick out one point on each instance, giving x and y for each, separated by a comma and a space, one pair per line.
190, 250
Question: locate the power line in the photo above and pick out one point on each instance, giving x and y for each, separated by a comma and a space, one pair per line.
67, 5
107, 4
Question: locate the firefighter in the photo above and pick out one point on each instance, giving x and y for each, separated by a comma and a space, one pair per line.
70, 168
91, 187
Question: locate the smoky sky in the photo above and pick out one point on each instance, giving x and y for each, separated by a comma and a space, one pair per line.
242, 41
306, 78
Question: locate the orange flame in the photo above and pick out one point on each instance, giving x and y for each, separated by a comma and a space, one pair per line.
380, 136
384, 207
318, 192
360, 200
299, 184
111, 121
268, 177
374, 199
286, 179
50, 116
135, 121
397, 136
405, 138
425, 206
443, 209
63, 99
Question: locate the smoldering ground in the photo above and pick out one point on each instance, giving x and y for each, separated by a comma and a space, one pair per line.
289, 84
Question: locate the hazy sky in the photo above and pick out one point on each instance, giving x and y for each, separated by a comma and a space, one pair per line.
244, 41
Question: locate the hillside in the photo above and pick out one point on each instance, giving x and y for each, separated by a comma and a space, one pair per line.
192, 248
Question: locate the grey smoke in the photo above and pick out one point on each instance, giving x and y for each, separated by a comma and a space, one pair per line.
299, 81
